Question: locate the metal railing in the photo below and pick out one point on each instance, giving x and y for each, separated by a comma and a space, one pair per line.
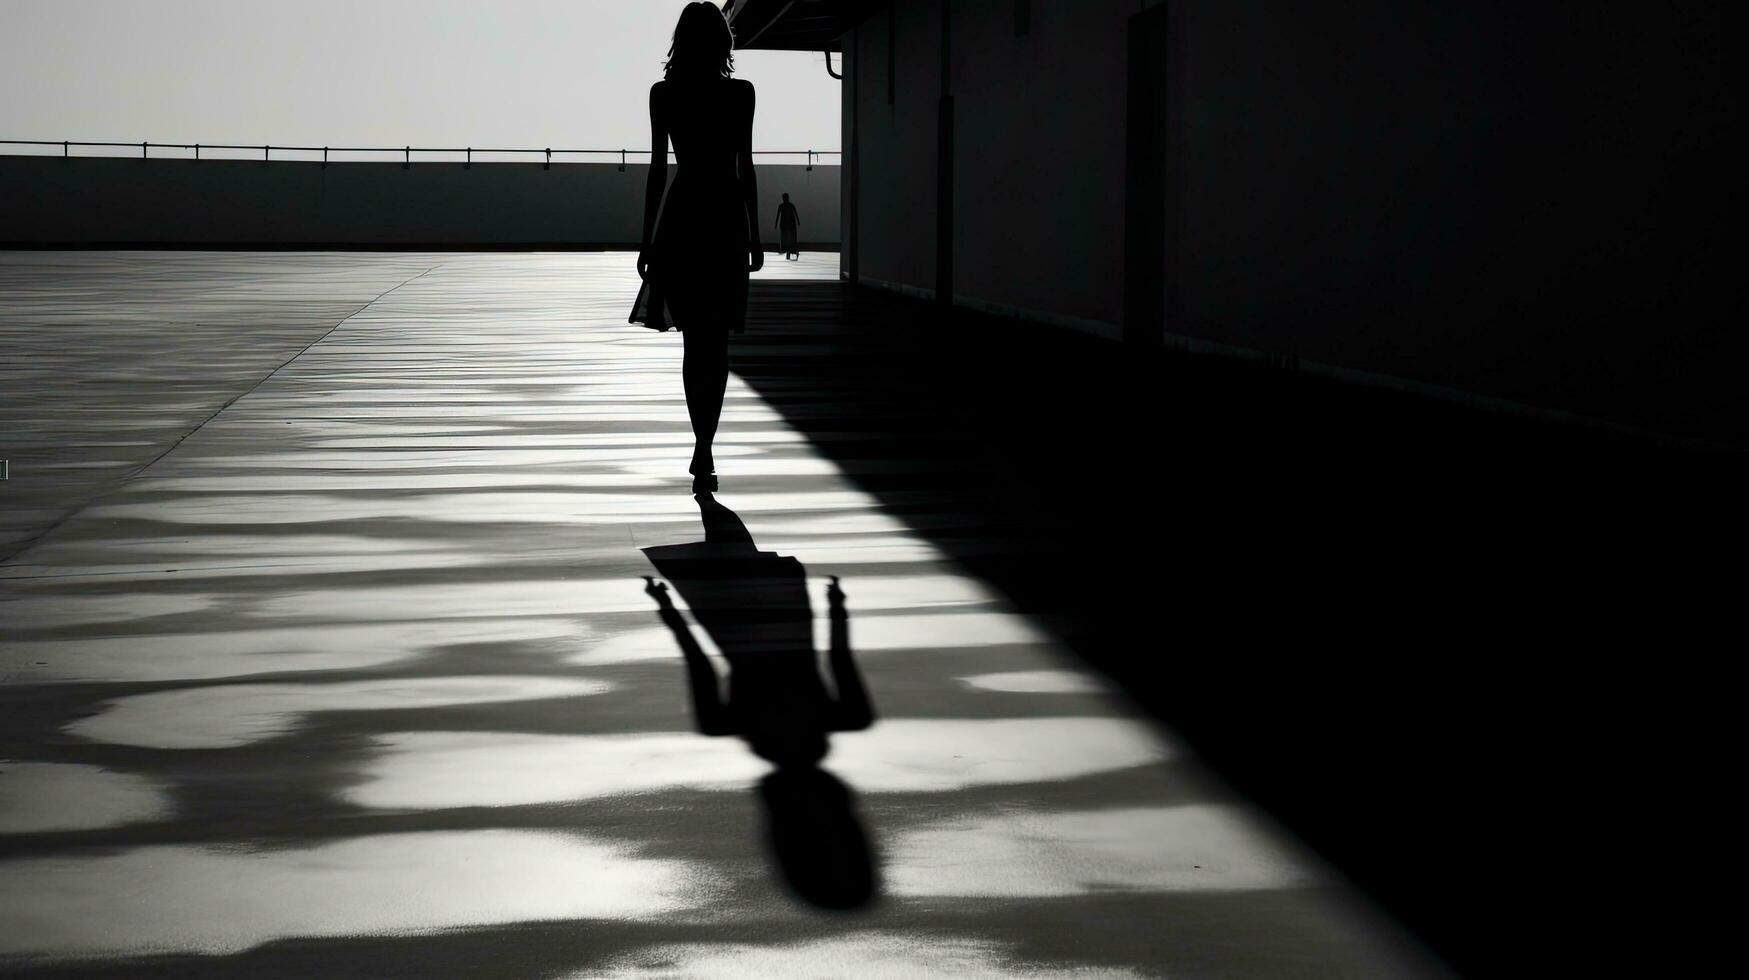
405, 152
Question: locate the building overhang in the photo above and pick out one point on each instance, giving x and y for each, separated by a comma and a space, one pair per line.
795, 25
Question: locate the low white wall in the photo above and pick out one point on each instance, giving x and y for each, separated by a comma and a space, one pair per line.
89, 201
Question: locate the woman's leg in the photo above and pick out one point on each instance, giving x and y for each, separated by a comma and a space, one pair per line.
705, 373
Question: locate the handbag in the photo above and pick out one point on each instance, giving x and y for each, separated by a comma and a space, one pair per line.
650, 310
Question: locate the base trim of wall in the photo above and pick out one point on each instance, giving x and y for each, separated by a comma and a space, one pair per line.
904, 289
1456, 396
1099, 328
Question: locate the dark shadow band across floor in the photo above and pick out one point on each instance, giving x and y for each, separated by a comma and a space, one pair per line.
1462, 654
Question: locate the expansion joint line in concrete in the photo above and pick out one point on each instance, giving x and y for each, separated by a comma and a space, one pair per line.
148, 464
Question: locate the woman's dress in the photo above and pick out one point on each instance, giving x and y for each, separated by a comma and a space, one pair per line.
697, 260
786, 228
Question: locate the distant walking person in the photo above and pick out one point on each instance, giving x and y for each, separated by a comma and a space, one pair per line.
787, 223
695, 260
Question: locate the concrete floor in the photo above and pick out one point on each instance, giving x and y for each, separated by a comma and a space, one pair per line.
327, 652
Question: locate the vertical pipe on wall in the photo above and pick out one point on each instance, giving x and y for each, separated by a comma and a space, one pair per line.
944, 166
849, 229
892, 48
1173, 157
1145, 163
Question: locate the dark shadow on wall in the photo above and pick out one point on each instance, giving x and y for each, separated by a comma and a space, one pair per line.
1449, 649
1534, 202
754, 606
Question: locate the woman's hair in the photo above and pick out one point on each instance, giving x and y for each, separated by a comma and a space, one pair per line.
703, 43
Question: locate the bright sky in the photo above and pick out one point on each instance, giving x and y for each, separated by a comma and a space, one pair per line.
512, 73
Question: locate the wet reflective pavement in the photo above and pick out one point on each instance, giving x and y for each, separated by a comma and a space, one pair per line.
348, 666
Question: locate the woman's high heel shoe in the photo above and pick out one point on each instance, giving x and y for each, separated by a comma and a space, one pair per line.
704, 475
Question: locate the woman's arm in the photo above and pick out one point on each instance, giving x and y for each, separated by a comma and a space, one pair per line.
750, 188
658, 174
707, 698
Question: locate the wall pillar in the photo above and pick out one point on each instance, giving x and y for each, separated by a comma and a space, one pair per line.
848, 119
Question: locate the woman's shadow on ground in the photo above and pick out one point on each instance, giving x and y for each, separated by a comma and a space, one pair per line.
754, 605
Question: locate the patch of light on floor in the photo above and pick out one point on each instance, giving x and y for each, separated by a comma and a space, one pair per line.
40, 797
441, 770
230, 715
217, 900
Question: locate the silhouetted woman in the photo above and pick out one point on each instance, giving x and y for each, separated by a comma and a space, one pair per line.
695, 260
787, 223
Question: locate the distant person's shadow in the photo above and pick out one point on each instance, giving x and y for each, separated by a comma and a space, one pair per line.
754, 606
